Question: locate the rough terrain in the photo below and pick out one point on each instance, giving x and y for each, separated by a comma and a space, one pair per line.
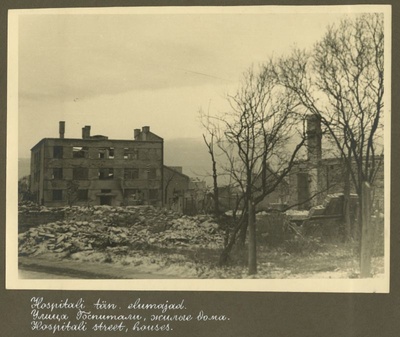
144, 242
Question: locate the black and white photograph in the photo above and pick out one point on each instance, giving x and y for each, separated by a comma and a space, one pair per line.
199, 148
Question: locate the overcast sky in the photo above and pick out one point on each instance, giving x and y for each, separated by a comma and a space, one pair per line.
121, 72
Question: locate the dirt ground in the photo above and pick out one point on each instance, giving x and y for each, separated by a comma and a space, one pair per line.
332, 261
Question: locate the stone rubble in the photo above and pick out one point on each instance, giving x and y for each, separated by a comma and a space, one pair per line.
133, 227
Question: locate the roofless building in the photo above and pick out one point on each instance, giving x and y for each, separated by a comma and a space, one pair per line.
95, 170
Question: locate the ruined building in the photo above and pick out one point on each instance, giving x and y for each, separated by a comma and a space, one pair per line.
311, 180
183, 194
176, 186
96, 170
305, 177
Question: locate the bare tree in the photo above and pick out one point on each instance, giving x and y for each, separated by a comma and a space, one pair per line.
257, 144
168, 178
342, 81
212, 132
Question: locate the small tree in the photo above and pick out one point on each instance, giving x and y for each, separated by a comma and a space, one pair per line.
256, 139
212, 132
168, 178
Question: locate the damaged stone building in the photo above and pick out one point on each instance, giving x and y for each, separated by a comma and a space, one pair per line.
176, 185
311, 180
95, 170
182, 193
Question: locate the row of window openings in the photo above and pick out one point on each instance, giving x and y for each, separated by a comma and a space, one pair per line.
103, 174
82, 194
103, 153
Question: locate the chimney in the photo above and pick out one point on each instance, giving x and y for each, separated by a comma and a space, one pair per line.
86, 132
145, 131
314, 137
61, 129
136, 134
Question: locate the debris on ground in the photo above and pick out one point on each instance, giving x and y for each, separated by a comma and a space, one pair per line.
136, 227
144, 239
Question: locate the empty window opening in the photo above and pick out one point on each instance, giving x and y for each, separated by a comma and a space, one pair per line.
102, 153
105, 200
106, 190
130, 174
133, 196
82, 195
106, 153
110, 153
79, 152
106, 173
57, 195
131, 153
57, 173
80, 173
57, 152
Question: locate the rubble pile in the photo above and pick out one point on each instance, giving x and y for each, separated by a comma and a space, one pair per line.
135, 227
32, 215
28, 207
190, 231
124, 216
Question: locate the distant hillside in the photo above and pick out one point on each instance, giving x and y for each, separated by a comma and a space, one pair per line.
193, 156
189, 153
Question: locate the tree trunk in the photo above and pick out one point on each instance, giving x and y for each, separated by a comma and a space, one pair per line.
366, 232
215, 182
243, 230
347, 230
224, 257
252, 239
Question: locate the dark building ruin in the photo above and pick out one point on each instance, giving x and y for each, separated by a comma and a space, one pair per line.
311, 180
95, 170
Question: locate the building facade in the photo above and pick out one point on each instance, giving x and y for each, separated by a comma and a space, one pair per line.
96, 170
183, 194
176, 185
311, 180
